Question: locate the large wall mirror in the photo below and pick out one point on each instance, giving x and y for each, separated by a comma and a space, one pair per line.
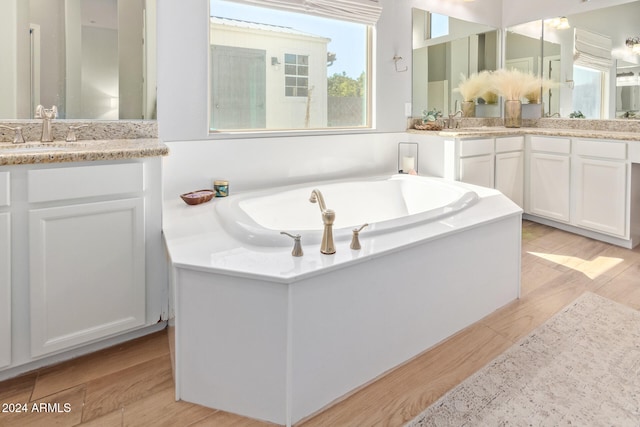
444, 49
93, 59
598, 74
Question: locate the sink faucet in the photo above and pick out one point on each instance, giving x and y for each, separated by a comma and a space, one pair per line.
46, 115
452, 119
328, 216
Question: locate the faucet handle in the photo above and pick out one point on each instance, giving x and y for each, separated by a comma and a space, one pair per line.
355, 240
71, 135
297, 246
18, 137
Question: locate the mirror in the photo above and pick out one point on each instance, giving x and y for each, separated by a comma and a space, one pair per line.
597, 73
444, 48
93, 59
526, 50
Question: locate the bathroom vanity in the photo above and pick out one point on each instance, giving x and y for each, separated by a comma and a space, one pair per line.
578, 179
81, 260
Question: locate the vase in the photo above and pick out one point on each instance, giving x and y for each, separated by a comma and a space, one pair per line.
468, 109
512, 114
532, 111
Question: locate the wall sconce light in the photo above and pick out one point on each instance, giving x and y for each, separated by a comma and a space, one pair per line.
634, 44
274, 60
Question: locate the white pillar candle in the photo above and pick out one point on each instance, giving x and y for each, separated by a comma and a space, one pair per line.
408, 163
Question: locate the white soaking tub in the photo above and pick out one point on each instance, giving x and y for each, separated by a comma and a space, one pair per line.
270, 336
385, 203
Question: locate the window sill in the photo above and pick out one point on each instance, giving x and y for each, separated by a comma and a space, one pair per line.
287, 133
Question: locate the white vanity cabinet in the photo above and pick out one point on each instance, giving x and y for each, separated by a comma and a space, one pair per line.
477, 162
5, 271
86, 254
509, 168
495, 163
549, 178
600, 186
82, 265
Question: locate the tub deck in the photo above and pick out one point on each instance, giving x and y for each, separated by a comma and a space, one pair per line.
269, 336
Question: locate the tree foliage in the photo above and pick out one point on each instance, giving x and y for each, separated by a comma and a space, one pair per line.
343, 85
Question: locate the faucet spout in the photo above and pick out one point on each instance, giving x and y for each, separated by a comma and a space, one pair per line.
47, 115
316, 196
328, 216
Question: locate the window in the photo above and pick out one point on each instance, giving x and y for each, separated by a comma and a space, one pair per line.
296, 72
283, 70
588, 91
438, 25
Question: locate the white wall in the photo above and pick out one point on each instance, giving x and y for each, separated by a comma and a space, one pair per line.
8, 76
14, 66
130, 50
99, 91
520, 11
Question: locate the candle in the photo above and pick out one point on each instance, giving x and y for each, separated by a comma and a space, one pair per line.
408, 164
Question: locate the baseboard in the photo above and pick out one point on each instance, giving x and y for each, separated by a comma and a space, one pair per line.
80, 351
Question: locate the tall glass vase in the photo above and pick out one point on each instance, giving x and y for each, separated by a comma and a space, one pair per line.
468, 109
512, 114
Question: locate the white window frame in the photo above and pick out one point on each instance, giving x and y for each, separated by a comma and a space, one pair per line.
370, 120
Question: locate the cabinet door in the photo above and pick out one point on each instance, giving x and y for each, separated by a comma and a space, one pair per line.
510, 176
600, 195
549, 186
477, 170
87, 267
5, 289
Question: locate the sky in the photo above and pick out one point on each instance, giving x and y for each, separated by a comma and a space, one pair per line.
343, 34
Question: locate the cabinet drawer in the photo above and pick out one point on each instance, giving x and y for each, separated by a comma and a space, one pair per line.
4, 189
551, 145
84, 181
602, 149
475, 147
512, 143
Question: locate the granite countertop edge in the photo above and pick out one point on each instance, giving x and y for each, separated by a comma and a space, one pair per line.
503, 131
80, 151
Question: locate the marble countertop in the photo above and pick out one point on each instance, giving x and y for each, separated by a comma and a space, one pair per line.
496, 131
81, 151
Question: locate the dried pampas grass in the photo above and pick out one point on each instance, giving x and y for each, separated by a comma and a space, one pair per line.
514, 85
473, 86
545, 84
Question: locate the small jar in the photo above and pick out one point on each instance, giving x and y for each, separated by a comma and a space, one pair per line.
221, 187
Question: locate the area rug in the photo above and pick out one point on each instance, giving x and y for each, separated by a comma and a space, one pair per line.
580, 368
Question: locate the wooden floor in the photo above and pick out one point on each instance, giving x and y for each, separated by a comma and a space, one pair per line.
132, 385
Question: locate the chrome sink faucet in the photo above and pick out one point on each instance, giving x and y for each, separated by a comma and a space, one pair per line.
328, 216
47, 115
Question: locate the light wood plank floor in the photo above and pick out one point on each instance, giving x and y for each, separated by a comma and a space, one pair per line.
131, 384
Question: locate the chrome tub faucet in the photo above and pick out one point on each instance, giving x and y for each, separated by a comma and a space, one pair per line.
47, 115
328, 216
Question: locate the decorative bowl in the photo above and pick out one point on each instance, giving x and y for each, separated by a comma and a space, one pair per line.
197, 197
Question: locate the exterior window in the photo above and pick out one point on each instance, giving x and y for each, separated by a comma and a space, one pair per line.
588, 91
296, 74
282, 70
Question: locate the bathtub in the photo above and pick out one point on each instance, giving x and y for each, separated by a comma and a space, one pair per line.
274, 337
385, 203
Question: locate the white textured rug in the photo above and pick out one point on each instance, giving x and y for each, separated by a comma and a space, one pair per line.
580, 368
